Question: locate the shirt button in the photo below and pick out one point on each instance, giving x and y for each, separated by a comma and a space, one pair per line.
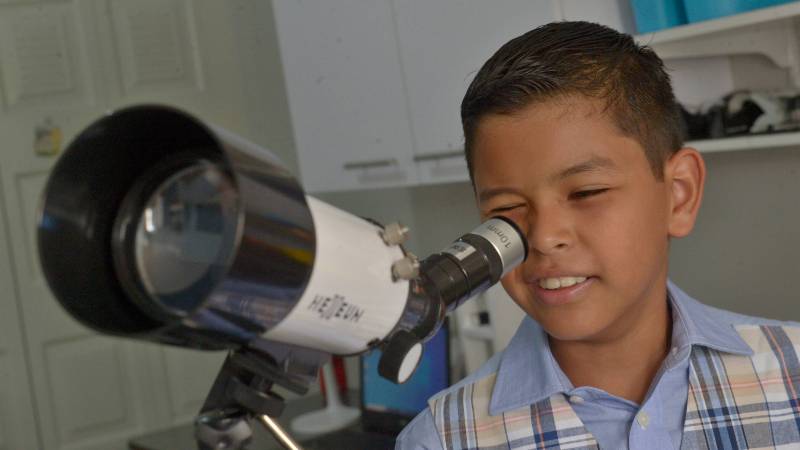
575, 399
674, 351
643, 419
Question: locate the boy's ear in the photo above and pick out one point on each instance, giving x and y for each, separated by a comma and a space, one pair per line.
685, 174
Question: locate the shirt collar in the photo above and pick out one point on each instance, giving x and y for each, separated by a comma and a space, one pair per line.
704, 325
528, 372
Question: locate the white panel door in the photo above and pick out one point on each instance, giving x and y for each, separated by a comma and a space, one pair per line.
188, 375
181, 53
443, 44
62, 65
90, 392
17, 420
346, 94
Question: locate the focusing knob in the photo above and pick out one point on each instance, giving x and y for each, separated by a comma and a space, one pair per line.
394, 234
400, 357
406, 268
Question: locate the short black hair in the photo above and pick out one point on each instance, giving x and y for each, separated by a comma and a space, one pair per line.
563, 59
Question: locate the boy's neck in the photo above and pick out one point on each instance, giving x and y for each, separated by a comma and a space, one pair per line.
626, 364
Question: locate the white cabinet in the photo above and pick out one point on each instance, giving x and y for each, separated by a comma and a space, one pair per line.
374, 87
442, 46
345, 91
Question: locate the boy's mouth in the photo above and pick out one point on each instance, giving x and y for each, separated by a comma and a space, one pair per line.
559, 282
560, 290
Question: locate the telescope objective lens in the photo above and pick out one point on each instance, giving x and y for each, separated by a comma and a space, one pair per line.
184, 236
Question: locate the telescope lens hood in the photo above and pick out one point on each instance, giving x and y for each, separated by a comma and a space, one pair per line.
82, 201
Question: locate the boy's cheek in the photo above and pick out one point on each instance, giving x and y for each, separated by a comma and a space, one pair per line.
515, 286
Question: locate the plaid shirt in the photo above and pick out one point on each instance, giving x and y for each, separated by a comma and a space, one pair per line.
735, 400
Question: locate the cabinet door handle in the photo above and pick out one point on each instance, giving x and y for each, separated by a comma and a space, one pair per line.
370, 164
438, 155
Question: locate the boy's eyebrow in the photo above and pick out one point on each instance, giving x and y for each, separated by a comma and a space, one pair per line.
592, 164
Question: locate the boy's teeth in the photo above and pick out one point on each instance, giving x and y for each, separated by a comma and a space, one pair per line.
562, 282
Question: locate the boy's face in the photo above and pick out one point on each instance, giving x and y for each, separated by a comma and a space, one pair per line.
594, 214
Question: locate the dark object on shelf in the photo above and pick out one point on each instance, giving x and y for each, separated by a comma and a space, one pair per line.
695, 125
744, 112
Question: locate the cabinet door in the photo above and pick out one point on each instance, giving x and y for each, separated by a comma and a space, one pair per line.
346, 94
442, 45
17, 422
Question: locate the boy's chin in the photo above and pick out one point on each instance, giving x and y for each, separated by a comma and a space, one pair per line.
588, 327
572, 333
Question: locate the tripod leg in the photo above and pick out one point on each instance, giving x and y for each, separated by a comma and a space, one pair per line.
278, 432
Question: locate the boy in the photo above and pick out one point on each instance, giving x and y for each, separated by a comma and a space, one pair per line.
572, 131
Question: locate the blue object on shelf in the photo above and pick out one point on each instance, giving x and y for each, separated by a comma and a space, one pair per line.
699, 10
654, 15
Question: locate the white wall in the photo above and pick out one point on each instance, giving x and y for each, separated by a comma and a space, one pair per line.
743, 255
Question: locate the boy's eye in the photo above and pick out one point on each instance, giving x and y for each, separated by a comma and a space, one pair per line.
504, 208
580, 195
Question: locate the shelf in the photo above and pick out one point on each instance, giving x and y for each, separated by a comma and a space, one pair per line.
772, 32
761, 16
764, 141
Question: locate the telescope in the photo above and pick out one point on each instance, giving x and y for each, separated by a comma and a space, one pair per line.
157, 226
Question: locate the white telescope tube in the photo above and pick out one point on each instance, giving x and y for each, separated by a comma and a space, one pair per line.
351, 298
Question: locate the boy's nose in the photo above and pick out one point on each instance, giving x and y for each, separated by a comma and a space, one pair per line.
549, 232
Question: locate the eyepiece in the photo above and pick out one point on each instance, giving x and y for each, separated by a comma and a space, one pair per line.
475, 261
469, 266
